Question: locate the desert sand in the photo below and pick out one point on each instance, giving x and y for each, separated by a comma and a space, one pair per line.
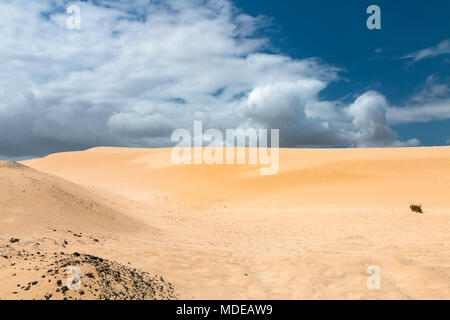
225, 231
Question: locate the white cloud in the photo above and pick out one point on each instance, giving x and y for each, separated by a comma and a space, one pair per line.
432, 90
369, 118
138, 69
442, 48
431, 103
433, 111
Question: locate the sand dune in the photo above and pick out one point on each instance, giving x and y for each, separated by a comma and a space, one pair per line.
385, 178
309, 232
46, 222
32, 201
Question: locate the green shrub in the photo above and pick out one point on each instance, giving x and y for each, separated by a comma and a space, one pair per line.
416, 208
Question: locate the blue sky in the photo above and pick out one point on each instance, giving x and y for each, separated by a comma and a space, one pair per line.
136, 70
336, 31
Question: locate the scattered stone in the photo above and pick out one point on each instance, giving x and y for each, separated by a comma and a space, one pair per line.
104, 279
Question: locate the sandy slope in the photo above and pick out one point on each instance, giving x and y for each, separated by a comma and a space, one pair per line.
32, 201
45, 223
309, 232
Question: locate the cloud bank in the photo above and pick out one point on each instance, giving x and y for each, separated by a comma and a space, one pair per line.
137, 70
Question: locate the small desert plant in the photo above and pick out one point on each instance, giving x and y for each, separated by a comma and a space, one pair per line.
416, 208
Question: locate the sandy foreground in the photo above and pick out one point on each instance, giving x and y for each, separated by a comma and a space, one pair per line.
225, 231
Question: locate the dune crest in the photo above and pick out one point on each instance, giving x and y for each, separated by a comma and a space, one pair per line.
345, 178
